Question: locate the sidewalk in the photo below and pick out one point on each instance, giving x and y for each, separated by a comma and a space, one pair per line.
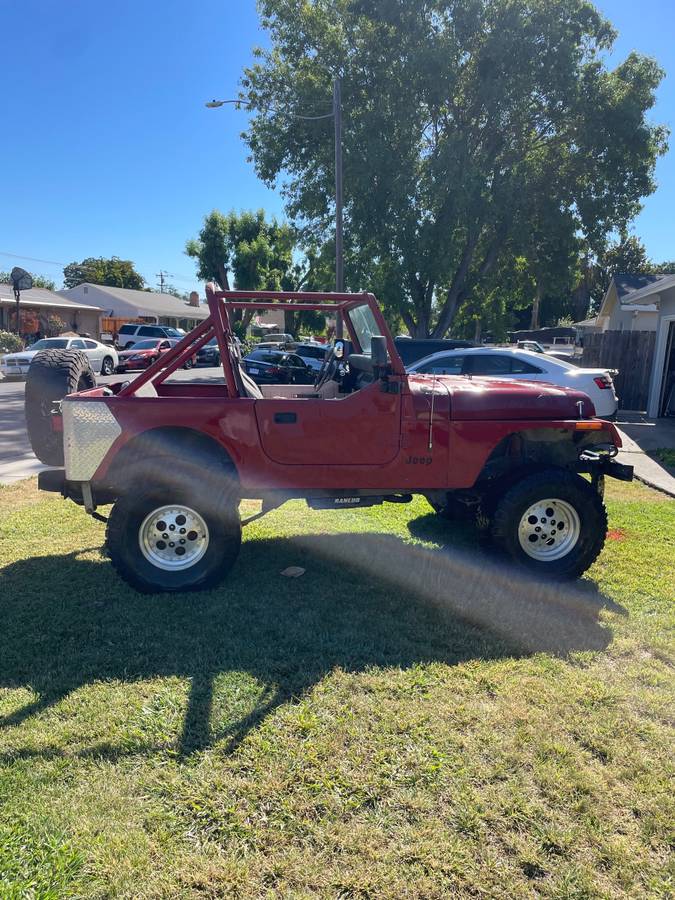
641, 435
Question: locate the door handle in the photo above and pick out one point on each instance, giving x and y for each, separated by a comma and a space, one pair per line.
285, 418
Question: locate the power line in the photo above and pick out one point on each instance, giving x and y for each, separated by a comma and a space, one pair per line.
48, 262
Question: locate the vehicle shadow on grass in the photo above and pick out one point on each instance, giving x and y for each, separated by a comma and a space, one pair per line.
365, 601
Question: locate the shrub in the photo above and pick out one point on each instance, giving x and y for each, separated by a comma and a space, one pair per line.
10, 343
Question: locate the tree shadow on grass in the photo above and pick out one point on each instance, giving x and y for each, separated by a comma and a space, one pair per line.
366, 600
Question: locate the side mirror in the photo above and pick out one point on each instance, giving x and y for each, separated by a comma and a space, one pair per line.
378, 352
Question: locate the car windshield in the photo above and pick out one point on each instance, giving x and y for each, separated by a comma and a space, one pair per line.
145, 345
50, 344
364, 324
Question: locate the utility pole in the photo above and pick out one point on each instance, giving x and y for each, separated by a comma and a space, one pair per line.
162, 275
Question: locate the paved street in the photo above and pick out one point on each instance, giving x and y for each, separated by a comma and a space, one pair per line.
16, 457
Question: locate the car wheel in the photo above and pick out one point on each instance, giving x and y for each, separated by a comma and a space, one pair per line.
53, 374
107, 366
187, 364
172, 536
552, 523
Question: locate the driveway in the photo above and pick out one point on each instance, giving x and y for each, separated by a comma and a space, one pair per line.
641, 436
16, 457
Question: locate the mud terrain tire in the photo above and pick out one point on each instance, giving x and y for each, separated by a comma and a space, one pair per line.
558, 517
145, 555
53, 374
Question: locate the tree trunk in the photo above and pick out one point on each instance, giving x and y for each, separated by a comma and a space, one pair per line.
477, 331
534, 320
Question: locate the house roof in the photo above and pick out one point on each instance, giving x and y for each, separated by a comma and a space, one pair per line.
41, 297
150, 303
638, 288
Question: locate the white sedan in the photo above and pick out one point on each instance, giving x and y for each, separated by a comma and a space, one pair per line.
506, 364
102, 357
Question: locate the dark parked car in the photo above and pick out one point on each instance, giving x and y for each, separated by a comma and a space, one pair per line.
412, 349
277, 367
209, 355
312, 354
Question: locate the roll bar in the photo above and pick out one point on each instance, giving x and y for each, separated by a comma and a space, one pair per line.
218, 325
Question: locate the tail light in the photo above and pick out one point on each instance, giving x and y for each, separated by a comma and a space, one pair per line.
604, 382
275, 370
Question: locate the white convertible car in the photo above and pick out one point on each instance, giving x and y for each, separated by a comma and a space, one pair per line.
102, 357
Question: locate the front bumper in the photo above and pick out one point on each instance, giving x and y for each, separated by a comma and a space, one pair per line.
14, 371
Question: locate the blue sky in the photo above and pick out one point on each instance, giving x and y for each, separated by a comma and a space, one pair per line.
107, 148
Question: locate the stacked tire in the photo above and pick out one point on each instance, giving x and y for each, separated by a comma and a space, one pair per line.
53, 374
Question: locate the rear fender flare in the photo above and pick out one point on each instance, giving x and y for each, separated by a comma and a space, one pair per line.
197, 453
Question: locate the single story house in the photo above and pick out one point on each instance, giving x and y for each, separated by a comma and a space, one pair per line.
618, 312
151, 306
647, 303
75, 315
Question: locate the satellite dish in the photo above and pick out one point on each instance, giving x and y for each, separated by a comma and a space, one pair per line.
21, 280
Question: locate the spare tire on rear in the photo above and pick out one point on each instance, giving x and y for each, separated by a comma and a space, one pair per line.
53, 374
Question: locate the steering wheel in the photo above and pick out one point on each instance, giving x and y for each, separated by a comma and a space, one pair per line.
327, 371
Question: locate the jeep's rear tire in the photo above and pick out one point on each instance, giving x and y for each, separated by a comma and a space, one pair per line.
172, 535
552, 523
53, 374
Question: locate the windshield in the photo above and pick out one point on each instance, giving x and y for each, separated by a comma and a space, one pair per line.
364, 324
145, 345
50, 344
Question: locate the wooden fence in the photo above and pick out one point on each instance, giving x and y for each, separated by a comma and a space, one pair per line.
632, 353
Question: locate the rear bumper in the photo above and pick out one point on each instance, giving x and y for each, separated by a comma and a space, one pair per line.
52, 480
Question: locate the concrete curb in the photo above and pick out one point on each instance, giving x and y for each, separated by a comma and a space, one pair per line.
646, 469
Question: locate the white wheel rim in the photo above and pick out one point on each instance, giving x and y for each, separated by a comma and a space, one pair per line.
173, 538
549, 529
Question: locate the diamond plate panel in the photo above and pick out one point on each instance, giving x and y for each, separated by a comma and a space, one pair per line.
89, 431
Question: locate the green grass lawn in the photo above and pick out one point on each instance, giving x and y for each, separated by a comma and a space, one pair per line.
666, 456
405, 720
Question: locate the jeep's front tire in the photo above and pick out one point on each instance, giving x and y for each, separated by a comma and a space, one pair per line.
53, 374
172, 536
552, 523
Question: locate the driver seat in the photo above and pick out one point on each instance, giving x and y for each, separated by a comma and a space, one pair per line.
245, 384
248, 385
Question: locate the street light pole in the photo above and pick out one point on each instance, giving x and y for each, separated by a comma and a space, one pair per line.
339, 248
336, 114
339, 252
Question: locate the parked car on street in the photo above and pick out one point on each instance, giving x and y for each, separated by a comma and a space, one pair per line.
312, 354
102, 357
144, 353
209, 355
133, 332
175, 460
506, 363
277, 367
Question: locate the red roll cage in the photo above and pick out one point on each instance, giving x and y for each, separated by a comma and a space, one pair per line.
218, 325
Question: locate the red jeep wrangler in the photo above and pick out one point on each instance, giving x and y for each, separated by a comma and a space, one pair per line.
176, 457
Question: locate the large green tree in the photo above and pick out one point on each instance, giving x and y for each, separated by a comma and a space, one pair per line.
113, 272
470, 127
246, 251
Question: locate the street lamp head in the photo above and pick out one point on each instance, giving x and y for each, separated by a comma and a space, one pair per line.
214, 104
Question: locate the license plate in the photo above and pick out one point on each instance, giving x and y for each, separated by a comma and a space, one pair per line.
253, 371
